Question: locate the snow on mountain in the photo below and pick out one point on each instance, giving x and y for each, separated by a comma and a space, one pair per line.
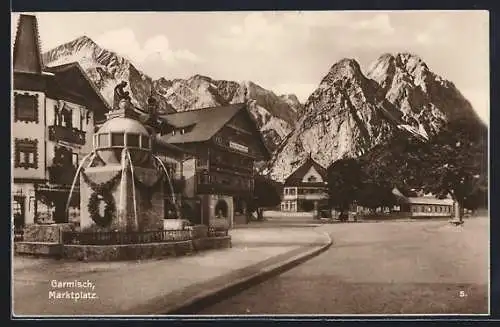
106, 69
275, 115
349, 113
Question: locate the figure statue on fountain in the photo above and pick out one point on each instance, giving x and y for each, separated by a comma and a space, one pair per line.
120, 94
152, 105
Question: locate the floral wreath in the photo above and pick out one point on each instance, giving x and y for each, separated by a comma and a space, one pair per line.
109, 209
102, 192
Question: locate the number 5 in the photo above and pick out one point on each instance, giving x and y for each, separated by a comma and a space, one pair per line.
462, 294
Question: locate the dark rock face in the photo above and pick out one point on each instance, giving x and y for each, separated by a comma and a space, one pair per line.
349, 113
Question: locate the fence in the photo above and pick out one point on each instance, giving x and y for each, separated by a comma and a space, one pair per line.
120, 238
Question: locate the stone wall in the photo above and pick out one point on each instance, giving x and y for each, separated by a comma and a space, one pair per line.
142, 251
150, 202
45, 233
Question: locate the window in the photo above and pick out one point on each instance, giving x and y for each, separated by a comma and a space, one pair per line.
133, 140
144, 142
103, 140
26, 153
312, 179
117, 139
67, 117
74, 159
26, 107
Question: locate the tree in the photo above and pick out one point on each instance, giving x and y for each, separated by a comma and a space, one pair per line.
455, 162
344, 182
375, 194
385, 166
265, 194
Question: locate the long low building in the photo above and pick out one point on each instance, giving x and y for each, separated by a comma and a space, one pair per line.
423, 206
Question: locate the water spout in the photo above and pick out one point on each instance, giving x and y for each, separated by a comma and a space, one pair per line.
123, 161
93, 154
133, 186
172, 192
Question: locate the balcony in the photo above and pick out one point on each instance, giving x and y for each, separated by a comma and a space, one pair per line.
310, 196
66, 134
61, 175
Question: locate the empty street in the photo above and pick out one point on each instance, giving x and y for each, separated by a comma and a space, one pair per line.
421, 267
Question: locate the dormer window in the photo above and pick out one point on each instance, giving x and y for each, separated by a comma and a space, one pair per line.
173, 132
183, 131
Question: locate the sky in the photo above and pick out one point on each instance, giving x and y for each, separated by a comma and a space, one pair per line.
287, 51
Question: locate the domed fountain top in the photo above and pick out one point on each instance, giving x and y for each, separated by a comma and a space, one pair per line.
123, 125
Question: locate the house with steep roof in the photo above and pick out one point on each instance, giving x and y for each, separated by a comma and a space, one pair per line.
226, 142
54, 111
306, 189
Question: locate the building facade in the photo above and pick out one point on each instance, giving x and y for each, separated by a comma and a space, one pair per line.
54, 110
423, 206
306, 189
208, 154
218, 179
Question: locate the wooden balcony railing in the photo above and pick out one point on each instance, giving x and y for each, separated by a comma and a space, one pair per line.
71, 135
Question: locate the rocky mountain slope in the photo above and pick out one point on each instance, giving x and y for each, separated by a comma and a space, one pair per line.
349, 113
275, 115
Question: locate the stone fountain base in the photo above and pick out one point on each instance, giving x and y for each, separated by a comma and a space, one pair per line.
46, 241
143, 251
42, 240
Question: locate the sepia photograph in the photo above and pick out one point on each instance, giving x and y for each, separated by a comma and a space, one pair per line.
250, 163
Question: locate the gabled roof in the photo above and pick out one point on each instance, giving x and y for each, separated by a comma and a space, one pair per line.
158, 142
27, 56
430, 200
60, 79
88, 88
205, 123
296, 177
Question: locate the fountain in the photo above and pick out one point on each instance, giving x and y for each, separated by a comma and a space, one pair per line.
122, 176
122, 173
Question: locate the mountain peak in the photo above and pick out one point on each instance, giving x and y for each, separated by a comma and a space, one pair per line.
344, 69
346, 64
200, 77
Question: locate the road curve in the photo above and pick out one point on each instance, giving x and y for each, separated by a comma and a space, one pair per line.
380, 268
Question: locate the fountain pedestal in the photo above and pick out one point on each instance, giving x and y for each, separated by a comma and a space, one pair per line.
149, 202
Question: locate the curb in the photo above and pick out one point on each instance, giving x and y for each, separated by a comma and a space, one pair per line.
211, 296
